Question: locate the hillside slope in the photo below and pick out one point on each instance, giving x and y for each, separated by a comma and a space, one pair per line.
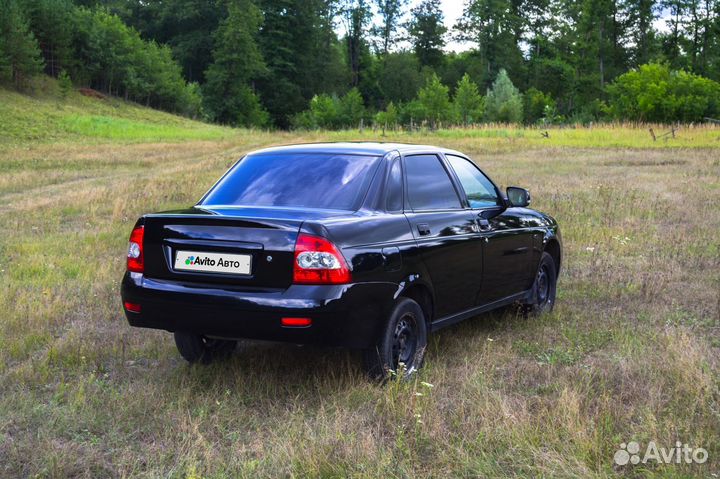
48, 117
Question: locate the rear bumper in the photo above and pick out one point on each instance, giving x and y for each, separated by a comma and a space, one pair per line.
342, 315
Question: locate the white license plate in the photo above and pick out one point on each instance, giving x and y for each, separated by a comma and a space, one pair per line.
212, 262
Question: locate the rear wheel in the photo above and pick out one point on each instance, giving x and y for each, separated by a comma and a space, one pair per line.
195, 347
544, 288
403, 340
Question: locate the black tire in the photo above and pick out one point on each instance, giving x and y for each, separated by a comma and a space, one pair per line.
542, 298
194, 347
403, 339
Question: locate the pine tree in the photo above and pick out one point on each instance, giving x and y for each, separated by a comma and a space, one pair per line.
427, 33
302, 54
503, 102
237, 61
19, 53
51, 22
468, 101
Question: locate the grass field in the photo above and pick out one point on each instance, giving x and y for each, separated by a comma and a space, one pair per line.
631, 352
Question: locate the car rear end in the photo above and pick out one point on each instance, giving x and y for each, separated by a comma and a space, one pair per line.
261, 271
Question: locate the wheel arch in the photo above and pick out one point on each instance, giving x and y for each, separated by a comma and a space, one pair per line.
421, 294
552, 247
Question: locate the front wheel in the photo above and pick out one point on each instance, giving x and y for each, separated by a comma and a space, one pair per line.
403, 341
543, 293
194, 347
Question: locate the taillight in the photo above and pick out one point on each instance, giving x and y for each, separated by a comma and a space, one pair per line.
318, 261
135, 256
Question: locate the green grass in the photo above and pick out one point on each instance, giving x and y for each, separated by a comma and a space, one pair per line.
630, 353
508, 138
47, 118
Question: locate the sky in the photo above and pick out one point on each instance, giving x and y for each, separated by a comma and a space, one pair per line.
453, 9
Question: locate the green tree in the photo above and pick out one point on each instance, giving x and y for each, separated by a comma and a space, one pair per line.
302, 53
356, 17
186, 26
673, 39
390, 12
352, 108
399, 78
237, 61
20, 56
191, 100
496, 27
411, 113
52, 24
537, 105
113, 58
468, 101
602, 54
427, 32
503, 102
640, 15
387, 118
325, 111
435, 101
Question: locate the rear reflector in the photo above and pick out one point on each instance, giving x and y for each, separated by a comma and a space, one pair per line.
132, 307
296, 322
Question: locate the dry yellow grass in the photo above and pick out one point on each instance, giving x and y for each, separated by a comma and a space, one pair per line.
631, 352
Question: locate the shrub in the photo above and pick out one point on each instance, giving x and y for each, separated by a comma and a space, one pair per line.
654, 93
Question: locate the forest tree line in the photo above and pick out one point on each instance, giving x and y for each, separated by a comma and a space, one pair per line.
281, 63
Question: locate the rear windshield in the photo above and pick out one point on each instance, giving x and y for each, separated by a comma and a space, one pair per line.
310, 180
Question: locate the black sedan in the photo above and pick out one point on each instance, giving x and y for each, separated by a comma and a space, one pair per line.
362, 245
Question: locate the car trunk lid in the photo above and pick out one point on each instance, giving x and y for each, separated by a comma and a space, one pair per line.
265, 237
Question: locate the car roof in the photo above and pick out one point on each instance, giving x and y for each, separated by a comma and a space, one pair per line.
356, 148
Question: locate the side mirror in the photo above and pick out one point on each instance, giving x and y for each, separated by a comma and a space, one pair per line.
518, 196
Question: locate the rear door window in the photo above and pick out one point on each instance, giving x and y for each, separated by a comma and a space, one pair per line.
429, 186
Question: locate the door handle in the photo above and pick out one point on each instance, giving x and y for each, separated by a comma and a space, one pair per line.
423, 229
483, 224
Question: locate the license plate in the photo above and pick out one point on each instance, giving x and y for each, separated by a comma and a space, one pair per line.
212, 262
